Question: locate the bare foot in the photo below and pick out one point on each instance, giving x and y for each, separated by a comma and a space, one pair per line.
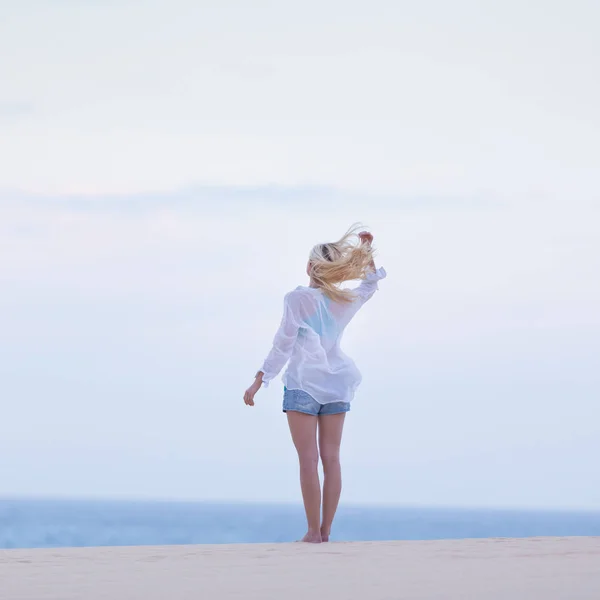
312, 538
324, 535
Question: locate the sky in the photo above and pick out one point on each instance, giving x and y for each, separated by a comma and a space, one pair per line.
166, 168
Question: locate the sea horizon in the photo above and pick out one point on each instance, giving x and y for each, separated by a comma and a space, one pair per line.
35, 522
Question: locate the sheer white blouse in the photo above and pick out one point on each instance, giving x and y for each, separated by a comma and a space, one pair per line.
309, 337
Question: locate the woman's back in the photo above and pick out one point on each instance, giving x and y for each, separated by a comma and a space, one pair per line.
310, 334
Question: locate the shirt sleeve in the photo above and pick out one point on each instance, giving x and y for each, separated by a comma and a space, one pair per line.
369, 285
284, 340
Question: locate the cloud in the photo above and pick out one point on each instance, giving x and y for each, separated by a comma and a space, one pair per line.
13, 109
385, 100
218, 198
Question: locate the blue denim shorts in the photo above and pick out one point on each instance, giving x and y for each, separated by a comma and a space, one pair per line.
300, 401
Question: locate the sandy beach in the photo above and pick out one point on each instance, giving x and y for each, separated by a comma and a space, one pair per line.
490, 569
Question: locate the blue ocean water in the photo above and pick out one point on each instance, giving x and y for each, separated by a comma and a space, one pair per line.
62, 523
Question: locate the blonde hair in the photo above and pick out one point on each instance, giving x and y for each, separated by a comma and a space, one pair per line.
335, 262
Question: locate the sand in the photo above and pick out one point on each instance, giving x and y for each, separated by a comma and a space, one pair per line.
490, 569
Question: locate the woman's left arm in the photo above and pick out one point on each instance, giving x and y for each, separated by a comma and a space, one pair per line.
369, 285
283, 345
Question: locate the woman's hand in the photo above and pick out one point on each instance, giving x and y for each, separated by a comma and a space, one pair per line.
366, 237
251, 391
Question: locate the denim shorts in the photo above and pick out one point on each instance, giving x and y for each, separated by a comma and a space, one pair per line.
299, 401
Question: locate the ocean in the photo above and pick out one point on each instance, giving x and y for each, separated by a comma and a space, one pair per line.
70, 523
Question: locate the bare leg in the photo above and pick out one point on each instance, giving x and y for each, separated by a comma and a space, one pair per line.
330, 439
303, 428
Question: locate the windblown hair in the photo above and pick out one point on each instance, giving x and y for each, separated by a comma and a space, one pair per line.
335, 262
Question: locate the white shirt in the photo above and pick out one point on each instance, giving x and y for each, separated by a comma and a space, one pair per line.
309, 337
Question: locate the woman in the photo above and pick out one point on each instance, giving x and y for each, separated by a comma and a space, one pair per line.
320, 380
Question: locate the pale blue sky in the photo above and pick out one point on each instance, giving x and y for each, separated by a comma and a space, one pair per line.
166, 169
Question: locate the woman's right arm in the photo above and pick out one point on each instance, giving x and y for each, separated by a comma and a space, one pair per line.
283, 345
